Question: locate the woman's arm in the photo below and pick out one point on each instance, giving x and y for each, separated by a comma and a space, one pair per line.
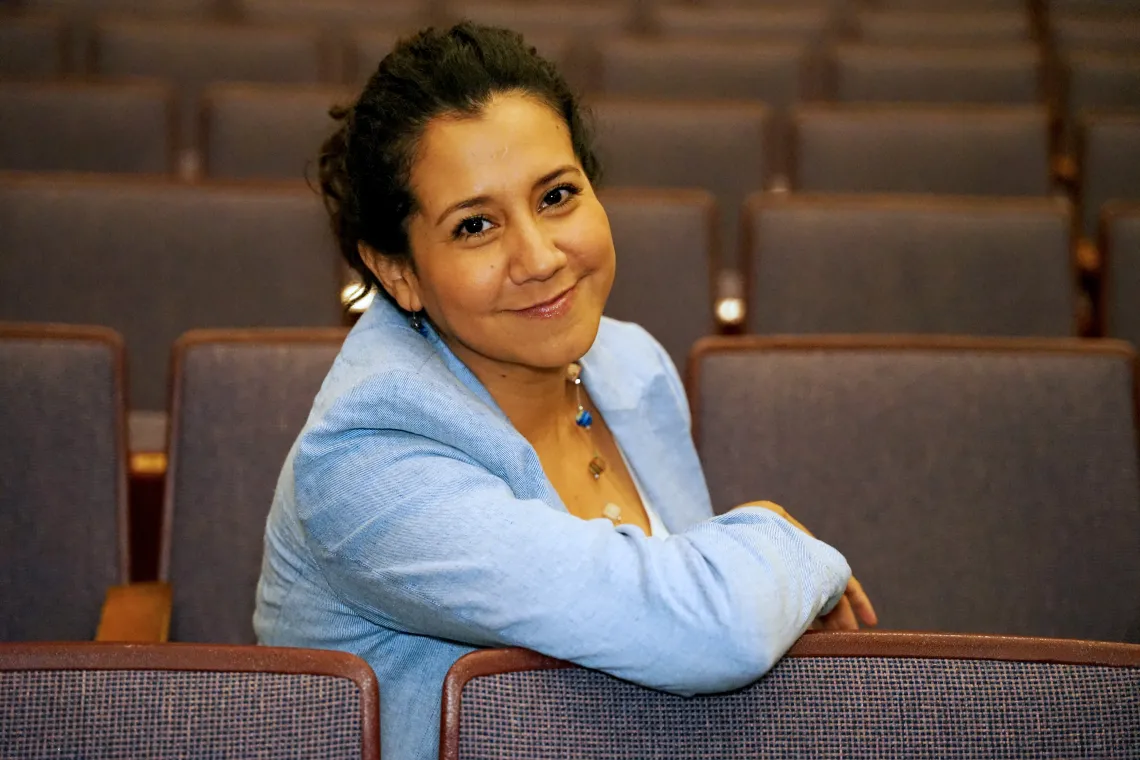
416, 536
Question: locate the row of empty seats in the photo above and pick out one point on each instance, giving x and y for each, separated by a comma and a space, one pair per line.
833, 695
1021, 455
155, 258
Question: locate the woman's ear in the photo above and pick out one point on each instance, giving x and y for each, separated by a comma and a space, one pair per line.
395, 275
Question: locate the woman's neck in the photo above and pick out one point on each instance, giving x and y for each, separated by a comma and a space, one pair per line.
534, 400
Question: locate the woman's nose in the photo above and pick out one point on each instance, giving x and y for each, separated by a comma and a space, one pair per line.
534, 254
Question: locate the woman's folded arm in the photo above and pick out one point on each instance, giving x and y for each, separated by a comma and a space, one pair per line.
415, 536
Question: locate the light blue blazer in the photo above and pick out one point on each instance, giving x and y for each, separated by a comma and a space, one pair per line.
413, 523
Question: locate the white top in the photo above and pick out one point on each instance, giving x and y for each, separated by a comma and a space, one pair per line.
657, 528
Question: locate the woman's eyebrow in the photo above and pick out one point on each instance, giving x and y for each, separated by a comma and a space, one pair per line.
479, 200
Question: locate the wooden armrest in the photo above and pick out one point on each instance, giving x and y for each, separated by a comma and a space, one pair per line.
137, 612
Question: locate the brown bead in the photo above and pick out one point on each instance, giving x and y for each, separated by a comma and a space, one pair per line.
597, 467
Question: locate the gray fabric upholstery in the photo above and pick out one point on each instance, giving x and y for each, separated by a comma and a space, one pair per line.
957, 27
720, 147
870, 73
791, 24
338, 14
1110, 163
873, 708
191, 55
86, 127
899, 265
775, 74
980, 150
33, 45
587, 20
1103, 80
167, 8
1080, 32
981, 491
154, 259
241, 406
161, 714
60, 470
268, 131
1122, 281
665, 260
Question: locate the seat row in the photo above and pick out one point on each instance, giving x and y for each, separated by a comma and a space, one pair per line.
154, 258
834, 694
976, 485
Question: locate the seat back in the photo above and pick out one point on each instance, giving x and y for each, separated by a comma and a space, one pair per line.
793, 24
834, 695
1102, 80
666, 263
1120, 244
857, 264
267, 130
871, 73
34, 45
585, 20
1109, 162
240, 399
717, 146
975, 150
192, 55
1075, 32
153, 259
981, 485
88, 127
178, 700
63, 465
956, 27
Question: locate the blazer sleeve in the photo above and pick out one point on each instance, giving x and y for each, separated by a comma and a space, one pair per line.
415, 535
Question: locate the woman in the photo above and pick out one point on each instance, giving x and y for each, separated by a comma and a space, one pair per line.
490, 462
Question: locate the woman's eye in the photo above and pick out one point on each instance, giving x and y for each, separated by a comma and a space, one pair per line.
471, 226
559, 195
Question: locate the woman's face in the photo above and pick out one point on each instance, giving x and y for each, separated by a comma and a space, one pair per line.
512, 250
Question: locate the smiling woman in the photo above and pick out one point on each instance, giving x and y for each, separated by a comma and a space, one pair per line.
490, 462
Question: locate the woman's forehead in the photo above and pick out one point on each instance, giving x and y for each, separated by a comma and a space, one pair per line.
514, 140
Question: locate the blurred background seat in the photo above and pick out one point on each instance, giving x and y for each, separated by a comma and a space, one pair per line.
864, 264
1120, 241
998, 75
240, 398
1109, 162
192, 54
956, 27
667, 263
34, 45
63, 465
91, 127
721, 147
976, 485
166, 257
889, 148
267, 131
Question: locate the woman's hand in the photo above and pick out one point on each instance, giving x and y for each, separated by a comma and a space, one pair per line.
855, 606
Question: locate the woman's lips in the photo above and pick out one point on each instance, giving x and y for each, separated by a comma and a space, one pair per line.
555, 307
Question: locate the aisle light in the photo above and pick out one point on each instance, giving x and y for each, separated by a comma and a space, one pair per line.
730, 311
357, 297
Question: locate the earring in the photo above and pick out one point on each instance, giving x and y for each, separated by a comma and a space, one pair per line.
415, 321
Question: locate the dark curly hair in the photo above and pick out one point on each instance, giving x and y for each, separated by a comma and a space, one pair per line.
364, 166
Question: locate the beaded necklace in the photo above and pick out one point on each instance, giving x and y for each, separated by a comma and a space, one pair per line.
585, 420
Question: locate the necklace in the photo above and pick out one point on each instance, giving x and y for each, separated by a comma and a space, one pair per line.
584, 420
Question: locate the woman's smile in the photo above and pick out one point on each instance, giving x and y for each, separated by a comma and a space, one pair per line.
554, 307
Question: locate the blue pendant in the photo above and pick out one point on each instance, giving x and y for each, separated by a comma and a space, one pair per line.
584, 418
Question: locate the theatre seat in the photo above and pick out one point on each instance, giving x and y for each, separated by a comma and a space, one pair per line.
1120, 293
87, 127
910, 264
194, 702
974, 485
1109, 162
63, 464
955, 25
952, 150
34, 45
667, 262
240, 397
857, 695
